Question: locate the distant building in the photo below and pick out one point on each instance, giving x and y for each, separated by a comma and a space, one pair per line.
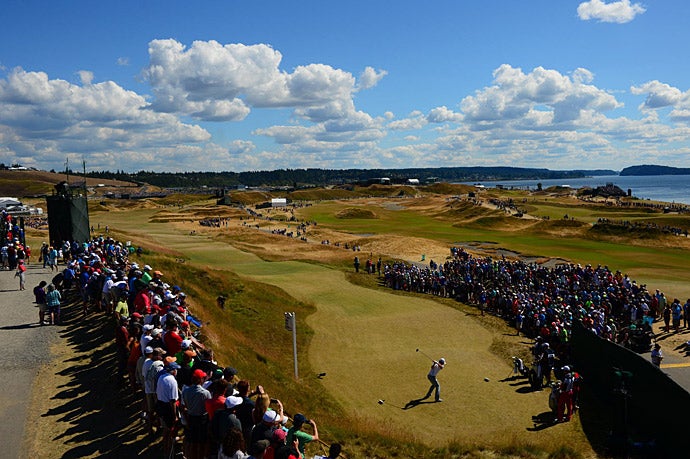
279, 202
412, 181
9, 202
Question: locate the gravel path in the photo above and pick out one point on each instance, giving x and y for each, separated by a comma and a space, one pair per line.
25, 347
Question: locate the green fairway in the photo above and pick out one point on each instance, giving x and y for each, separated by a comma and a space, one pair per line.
365, 341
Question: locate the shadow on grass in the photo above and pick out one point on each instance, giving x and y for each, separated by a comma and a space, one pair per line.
543, 421
419, 401
98, 413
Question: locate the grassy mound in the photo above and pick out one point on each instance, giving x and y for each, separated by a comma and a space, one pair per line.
448, 188
467, 211
618, 231
355, 212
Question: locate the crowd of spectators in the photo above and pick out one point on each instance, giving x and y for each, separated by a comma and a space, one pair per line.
539, 301
186, 394
649, 226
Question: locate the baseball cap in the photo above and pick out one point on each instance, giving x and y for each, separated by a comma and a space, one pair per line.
233, 401
279, 435
173, 366
199, 374
299, 419
148, 350
271, 416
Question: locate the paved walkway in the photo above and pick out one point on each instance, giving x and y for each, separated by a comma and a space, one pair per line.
25, 347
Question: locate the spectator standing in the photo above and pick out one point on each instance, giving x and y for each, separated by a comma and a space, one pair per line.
657, 355
53, 299
21, 274
296, 432
232, 446
166, 406
40, 294
194, 399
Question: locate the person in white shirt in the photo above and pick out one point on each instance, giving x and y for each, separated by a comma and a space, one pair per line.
436, 367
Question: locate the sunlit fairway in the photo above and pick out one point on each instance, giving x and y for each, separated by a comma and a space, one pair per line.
365, 341
365, 338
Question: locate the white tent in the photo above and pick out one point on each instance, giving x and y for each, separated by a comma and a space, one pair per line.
6, 202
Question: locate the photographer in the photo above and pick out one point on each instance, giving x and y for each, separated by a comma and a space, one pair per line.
296, 432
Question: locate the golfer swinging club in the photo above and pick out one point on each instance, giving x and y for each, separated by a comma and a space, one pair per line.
433, 372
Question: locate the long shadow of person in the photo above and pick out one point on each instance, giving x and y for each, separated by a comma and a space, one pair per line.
417, 402
543, 421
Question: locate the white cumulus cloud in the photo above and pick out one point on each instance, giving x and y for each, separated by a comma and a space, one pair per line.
370, 78
43, 119
618, 12
658, 94
215, 82
515, 94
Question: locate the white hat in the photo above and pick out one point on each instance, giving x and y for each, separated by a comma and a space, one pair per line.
442, 361
232, 401
270, 416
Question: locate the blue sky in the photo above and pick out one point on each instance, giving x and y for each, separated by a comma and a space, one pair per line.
239, 85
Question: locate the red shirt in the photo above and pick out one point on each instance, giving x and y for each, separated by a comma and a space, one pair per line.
173, 342
214, 404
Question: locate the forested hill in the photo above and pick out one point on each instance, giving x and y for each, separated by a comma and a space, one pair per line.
654, 170
292, 177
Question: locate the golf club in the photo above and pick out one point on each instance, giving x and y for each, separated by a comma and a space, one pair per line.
381, 402
425, 355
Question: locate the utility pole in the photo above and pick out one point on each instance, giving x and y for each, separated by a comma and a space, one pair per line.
291, 325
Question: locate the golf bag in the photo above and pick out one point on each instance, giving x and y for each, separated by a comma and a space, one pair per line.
553, 397
534, 379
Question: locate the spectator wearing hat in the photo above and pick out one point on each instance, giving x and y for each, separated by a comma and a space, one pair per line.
150, 371
194, 399
264, 429
167, 394
277, 442
135, 352
21, 274
121, 308
146, 337
157, 338
146, 354
225, 419
186, 359
565, 397
232, 446
146, 276
122, 344
296, 433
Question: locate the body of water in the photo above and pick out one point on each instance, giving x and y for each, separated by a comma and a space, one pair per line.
668, 188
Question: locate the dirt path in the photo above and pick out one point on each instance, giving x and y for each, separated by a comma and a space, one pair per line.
79, 407
26, 346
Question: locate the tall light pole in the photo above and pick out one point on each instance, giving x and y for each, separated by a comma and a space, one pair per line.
291, 325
